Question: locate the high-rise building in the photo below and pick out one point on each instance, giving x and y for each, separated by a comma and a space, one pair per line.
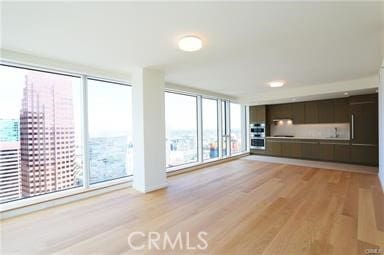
10, 188
47, 134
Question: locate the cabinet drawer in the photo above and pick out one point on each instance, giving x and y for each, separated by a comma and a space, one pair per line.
364, 154
342, 153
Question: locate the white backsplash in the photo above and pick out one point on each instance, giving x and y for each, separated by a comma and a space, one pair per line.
311, 130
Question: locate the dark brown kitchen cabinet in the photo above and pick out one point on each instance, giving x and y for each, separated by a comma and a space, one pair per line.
311, 112
341, 110
326, 151
286, 148
364, 120
271, 113
279, 111
291, 149
273, 147
364, 154
325, 110
257, 113
310, 150
342, 153
298, 113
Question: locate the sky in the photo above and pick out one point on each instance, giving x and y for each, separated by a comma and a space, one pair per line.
180, 112
107, 103
11, 87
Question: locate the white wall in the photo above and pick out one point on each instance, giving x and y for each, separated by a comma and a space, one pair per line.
381, 125
52, 64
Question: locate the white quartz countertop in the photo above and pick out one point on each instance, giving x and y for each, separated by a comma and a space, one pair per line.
311, 138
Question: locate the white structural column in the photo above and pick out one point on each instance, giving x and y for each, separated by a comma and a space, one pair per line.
148, 130
381, 126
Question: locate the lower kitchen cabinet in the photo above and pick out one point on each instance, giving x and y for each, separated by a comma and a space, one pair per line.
286, 148
291, 149
310, 150
364, 154
327, 151
342, 153
336, 151
296, 150
274, 148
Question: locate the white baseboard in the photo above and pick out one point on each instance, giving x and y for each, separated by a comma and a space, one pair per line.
381, 181
150, 189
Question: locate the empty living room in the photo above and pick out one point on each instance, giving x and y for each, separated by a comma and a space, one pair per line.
191, 127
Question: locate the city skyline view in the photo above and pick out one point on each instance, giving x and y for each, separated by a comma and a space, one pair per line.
44, 153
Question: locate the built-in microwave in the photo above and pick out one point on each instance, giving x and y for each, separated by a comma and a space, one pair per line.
257, 136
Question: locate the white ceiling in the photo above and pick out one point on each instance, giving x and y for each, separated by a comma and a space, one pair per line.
245, 44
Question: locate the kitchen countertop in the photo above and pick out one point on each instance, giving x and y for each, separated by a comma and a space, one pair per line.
310, 138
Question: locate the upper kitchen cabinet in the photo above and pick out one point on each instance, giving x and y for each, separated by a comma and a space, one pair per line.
279, 111
325, 109
257, 113
341, 110
298, 113
311, 112
364, 120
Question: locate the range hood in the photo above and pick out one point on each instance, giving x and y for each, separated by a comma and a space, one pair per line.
282, 121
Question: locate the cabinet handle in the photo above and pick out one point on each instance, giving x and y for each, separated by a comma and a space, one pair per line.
353, 127
364, 144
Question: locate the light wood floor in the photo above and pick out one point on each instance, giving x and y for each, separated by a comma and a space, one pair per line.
245, 206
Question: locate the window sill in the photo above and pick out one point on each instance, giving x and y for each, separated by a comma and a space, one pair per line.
65, 196
194, 166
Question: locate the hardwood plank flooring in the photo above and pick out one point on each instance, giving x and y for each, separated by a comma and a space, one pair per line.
244, 206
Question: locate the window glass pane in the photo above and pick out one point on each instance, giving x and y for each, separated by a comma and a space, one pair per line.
40, 133
210, 132
236, 125
224, 127
110, 130
181, 129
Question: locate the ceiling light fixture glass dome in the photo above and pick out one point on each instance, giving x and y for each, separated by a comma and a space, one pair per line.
190, 43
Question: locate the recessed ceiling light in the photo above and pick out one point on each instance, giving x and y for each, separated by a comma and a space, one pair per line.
276, 84
346, 93
190, 43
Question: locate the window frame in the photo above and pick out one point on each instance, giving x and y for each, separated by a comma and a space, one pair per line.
86, 187
202, 127
198, 135
221, 125
86, 131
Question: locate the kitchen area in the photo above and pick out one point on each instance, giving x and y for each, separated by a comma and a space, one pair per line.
341, 130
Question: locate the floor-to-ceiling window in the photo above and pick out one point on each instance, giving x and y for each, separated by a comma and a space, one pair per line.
40, 132
201, 129
237, 128
110, 130
181, 129
60, 131
210, 128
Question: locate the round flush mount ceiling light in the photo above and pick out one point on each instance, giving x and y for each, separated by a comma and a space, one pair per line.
276, 84
190, 43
